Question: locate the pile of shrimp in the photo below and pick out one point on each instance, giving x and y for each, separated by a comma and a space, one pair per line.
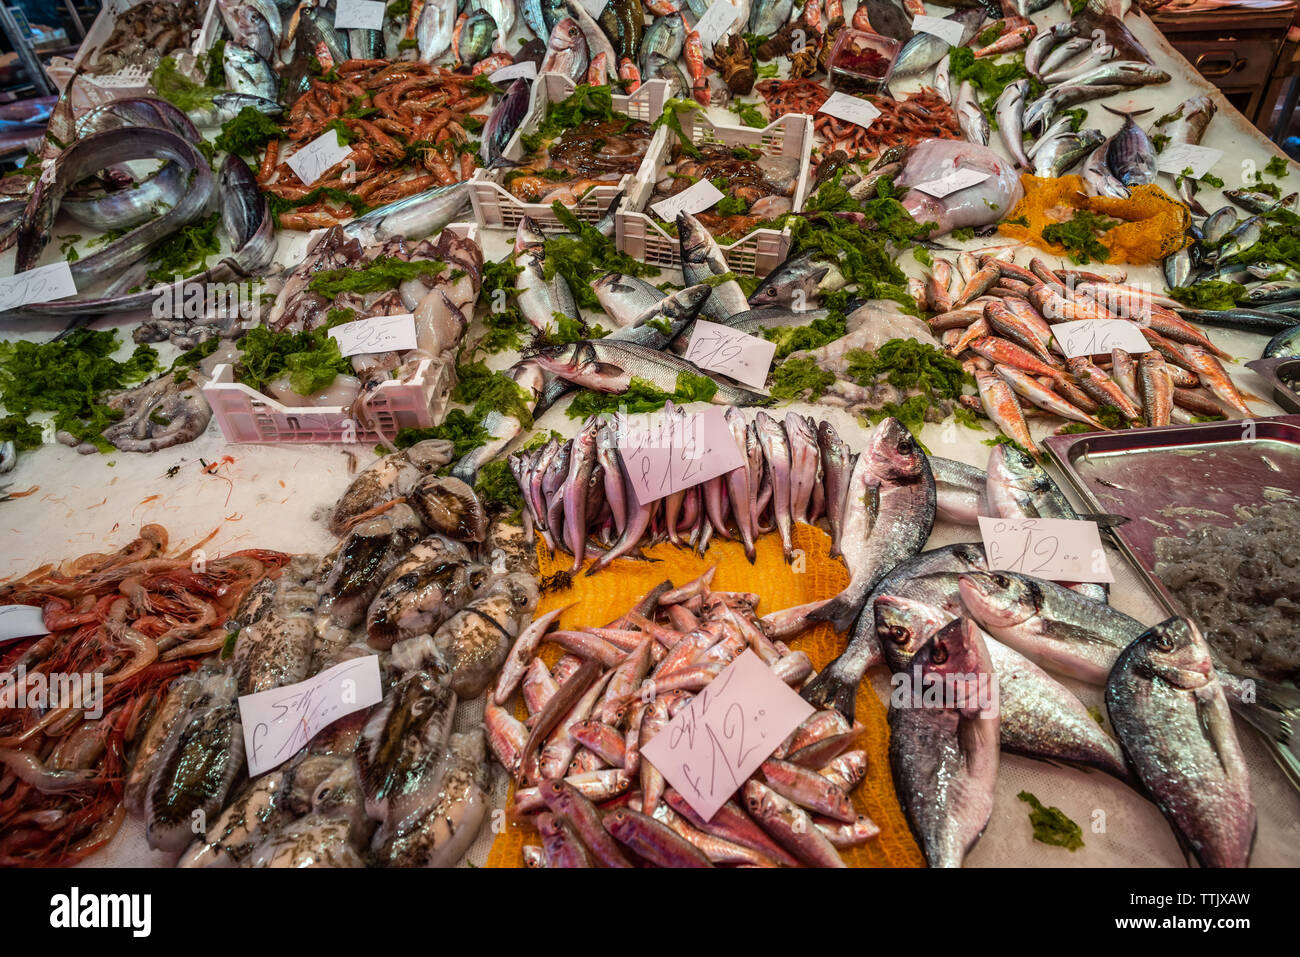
408, 126
139, 619
923, 115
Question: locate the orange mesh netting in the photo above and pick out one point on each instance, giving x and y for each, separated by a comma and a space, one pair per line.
609, 594
1153, 224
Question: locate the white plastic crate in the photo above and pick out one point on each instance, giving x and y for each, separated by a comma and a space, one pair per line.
96, 90
762, 250
246, 415
496, 208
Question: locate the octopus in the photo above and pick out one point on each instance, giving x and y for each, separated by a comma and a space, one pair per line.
158, 415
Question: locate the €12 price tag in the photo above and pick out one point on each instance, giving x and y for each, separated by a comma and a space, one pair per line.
1177, 157
716, 742
1058, 549
670, 453
279, 722
722, 349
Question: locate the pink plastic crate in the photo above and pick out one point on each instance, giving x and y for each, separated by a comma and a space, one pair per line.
495, 208
761, 251
246, 415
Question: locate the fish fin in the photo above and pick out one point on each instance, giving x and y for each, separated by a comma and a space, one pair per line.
1128, 114
827, 691
1275, 710
839, 611
1104, 519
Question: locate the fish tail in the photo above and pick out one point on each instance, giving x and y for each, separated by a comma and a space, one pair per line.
1271, 707
1125, 113
827, 691
839, 611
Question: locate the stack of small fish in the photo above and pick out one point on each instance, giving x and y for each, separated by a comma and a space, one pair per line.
999, 316
391, 786
599, 801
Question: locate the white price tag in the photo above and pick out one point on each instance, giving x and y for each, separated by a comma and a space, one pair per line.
952, 182
1177, 157
42, 284
851, 108
1058, 549
594, 7
321, 154
693, 199
1095, 337
666, 454
715, 23
722, 349
21, 621
376, 334
731, 727
359, 15
515, 71
948, 30
278, 723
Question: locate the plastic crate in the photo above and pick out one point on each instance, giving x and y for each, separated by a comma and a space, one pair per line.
495, 208
246, 415
757, 254
92, 91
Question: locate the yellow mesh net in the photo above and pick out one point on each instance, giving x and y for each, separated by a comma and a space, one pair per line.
1154, 223
602, 598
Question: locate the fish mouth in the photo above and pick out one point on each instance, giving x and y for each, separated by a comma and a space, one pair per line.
978, 591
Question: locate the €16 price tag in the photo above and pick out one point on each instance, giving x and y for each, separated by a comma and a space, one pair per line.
852, 108
321, 154
376, 334
279, 722
722, 349
670, 453
1094, 337
1058, 549
715, 743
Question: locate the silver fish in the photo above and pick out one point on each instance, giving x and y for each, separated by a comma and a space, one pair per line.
1040, 113
767, 17
1097, 177
249, 73
476, 36
413, 217
665, 36
837, 467
1062, 54
1171, 715
776, 452
924, 50
1010, 114
434, 30
1043, 43
974, 122
1218, 224
944, 756
1127, 73
1188, 125
502, 428
1131, 155
702, 260
1062, 152
792, 283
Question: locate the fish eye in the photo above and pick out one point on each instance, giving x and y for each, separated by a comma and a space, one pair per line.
940, 653
1001, 580
896, 633
1164, 642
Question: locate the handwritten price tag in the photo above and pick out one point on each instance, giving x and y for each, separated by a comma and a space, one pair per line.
715, 23
948, 30
666, 454
693, 199
952, 182
279, 722
42, 284
594, 7
376, 334
1058, 549
515, 71
851, 108
1093, 337
1176, 157
359, 15
321, 154
21, 621
745, 358
731, 727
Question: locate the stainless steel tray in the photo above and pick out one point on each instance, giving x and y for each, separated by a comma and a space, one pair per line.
1278, 373
1170, 480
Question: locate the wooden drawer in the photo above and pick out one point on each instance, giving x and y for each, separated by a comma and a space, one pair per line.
1230, 64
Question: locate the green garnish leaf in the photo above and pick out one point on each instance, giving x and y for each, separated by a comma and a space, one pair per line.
1051, 825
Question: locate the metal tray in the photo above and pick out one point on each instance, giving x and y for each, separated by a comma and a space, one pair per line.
1171, 480
1277, 372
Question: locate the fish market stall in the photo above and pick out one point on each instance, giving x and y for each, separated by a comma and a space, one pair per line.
572, 372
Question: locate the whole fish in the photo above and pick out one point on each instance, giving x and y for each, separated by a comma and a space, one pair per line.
1254, 201
924, 50
624, 298
659, 67
767, 17
1060, 153
567, 53
889, 514
974, 122
504, 120
1187, 125
1128, 73
944, 755
1283, 345
1043, 397
605, 366
1046, 40
1041, 112
249, 73
1131, 155
597, 42
790, 825
255, 26
702, 260
581, 462
1000, 405
804, 461
665, 36
434, 29
413, 217
776, 452
1155, 388
1097, 177
837, 467
502, 427
794, 282
1063, 53
1169, 709
476, 36
624, 23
